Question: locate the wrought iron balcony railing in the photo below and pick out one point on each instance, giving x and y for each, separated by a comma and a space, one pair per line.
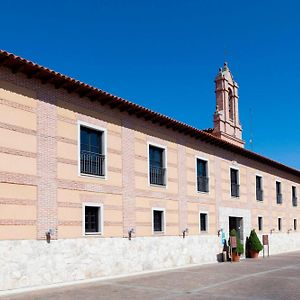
92, 163
259, 195
295, 201
157, 175
279, 198
235, 190
202, 184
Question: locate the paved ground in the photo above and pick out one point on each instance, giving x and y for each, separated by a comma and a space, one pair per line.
277, 277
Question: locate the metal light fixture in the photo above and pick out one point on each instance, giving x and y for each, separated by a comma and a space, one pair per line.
185, 232
130, 232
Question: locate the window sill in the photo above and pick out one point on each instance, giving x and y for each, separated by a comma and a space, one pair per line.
158, 232
92, 234
93, 176
204, 232
200, 192
158, 185
235, 197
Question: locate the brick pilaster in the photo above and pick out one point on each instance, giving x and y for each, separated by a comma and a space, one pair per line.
128, 176
46, 165
182, 184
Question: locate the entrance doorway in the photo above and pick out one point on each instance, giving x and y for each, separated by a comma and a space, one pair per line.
237, 224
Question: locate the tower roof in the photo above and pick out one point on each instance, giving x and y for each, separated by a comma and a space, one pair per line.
225, 72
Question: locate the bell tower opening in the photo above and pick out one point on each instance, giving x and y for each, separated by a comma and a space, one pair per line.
227, 125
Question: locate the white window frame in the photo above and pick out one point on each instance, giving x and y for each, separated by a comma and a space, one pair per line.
165, 163
262, 223
280, 224
163, 210
296, 190
104, 130
207, 222
239, 181
101, 220
262, 184
208, 174
281, 185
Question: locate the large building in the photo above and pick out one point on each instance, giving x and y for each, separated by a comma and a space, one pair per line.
92, 185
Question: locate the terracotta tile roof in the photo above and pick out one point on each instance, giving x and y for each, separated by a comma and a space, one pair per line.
58, 80
208, 130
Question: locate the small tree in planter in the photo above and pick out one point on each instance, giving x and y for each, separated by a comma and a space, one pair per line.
236, 252
255, 244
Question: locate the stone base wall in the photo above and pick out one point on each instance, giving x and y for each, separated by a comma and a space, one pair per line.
32, 263
282, 242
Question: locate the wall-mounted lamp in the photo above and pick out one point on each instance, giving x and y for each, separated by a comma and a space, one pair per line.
130, 232
185, 232
272, 230
48, 235
220, 231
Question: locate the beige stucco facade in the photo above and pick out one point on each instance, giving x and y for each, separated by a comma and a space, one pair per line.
41, 187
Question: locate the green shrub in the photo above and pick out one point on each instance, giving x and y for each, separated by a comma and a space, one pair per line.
254, 242
239, 246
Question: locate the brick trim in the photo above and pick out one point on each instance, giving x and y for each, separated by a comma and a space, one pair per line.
16, 201
17, 152
17, 222
17, 128
8, 177
17, 105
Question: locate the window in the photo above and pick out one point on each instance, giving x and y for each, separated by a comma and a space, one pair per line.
92, 154
259, 188
203, 222
234, 178
92, 218
295, 224
158, 220
157, 170
260, 223
279, 224
202, 176
294, 196
278, 192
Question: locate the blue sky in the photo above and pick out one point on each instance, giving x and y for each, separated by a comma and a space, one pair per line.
165, 54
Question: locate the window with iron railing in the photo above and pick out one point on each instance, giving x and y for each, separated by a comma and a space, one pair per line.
259, 189
278, 193
92, 158
157, 170
234, 179
294, 196
202, 176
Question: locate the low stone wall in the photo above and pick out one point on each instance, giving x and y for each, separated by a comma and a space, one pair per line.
31, 263
282, 242
35, 263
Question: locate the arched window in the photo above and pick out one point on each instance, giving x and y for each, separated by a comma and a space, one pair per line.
230, 104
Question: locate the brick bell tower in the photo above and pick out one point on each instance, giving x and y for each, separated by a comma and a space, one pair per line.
227, 125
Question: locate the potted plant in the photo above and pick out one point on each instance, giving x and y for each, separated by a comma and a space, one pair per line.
254, 244
236, 252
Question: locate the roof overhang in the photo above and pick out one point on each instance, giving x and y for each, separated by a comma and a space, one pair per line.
59, 81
